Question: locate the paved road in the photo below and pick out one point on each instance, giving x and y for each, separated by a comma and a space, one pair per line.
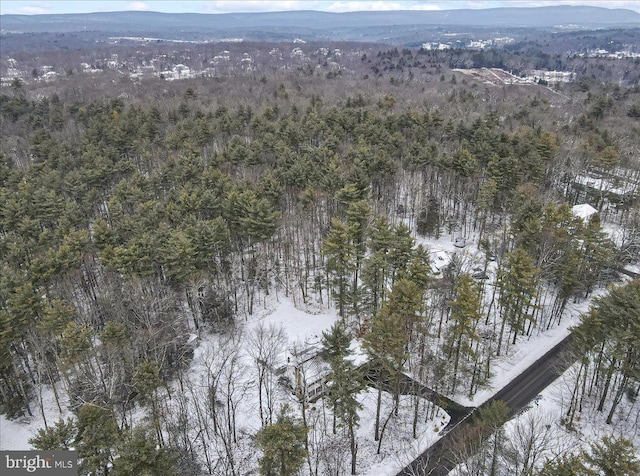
440, 459
408, 386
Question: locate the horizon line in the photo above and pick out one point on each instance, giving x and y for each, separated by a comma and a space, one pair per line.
514, 7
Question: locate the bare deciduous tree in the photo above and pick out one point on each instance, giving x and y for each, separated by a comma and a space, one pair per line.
265, 347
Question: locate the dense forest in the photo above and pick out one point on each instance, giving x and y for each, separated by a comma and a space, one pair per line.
143, 222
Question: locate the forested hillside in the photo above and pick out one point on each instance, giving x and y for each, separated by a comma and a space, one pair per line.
144, 222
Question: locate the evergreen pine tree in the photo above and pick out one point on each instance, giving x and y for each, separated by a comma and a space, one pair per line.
612, 457
60, 436
282, 445
465, 314
139, 455
98, 435
344, 385
518, 283
340, 256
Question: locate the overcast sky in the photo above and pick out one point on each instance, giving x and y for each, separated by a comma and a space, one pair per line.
228, 6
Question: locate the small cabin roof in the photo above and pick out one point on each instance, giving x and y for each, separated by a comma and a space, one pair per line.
583, 211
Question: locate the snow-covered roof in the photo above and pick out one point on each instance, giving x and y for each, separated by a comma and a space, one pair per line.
583, 211
439, 259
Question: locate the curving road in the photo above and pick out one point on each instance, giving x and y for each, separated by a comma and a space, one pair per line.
440, 459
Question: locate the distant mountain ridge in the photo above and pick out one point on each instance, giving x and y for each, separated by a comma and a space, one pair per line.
318, 22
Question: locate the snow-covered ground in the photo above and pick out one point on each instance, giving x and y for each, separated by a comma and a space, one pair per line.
525, 353
398, 447
15, 434
546, 417
305, 327
299, 325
